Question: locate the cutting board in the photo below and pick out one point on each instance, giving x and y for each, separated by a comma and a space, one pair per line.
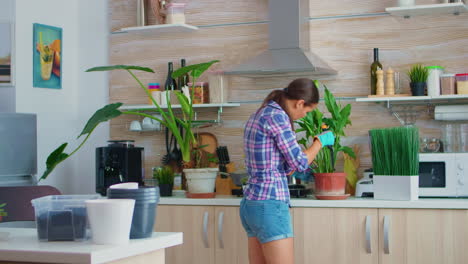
206, 138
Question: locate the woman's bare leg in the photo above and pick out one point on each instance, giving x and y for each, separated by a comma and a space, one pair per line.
255, 251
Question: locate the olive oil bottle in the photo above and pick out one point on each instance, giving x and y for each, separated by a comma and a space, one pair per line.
373, 69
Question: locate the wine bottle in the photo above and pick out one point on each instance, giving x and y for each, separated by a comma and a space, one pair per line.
373, 69
184, 79
170, 84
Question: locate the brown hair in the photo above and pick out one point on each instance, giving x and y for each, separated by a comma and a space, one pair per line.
299, 89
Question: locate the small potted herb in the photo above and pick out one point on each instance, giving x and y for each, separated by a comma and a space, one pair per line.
165, 178
418, 76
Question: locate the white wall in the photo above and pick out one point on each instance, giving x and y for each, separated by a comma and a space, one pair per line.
7, 94
61, 114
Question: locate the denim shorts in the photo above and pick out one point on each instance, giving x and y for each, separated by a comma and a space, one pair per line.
267, 220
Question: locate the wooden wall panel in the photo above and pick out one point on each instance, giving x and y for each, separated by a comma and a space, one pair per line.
345, 43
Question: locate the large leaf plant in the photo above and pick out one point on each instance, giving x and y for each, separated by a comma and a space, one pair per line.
315, 123
168, 119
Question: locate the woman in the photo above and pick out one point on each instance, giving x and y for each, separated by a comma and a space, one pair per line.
271, 153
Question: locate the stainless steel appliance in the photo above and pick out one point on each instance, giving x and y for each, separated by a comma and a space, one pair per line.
119, 162
18, 149
443, 174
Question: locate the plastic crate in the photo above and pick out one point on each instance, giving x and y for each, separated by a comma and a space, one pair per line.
62, 217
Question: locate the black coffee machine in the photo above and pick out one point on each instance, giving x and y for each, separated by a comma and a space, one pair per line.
119, 162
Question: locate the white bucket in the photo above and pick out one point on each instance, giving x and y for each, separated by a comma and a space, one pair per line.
403, 188
110, 220
201, 180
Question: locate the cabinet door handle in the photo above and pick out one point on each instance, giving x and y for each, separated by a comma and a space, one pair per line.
205, 230
220, 229
368, 234
386, 227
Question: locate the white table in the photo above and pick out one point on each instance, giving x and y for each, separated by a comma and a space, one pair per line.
22, 246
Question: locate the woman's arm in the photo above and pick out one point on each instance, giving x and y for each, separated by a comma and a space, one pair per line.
313, 150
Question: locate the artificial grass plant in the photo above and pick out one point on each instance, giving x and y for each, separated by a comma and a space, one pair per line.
395, 151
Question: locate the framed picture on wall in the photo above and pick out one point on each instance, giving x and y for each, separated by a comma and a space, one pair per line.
47, 56
6, 53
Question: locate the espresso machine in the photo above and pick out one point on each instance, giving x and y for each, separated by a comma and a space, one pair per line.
120, 161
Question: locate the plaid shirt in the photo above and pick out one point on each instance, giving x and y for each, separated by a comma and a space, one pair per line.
271, 153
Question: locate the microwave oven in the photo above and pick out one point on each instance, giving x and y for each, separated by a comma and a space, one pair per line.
443, 174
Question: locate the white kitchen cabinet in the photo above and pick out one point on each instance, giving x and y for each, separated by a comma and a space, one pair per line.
231, 239
212, 234
196, 223
423, 236
336, 235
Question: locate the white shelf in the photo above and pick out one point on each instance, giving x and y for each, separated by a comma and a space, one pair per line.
412, 98
156, 29
175, 106
420, 10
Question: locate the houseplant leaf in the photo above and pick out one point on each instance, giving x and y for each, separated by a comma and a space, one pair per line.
184, 102
54, 159
119, 67
102, 115
195, 70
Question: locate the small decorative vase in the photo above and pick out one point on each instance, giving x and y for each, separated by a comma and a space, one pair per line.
417, 89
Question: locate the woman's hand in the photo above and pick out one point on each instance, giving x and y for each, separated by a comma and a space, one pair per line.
326, 138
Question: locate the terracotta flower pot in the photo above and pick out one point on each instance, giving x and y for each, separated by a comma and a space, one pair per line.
330, 183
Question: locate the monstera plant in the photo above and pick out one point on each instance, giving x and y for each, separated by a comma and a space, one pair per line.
184, 138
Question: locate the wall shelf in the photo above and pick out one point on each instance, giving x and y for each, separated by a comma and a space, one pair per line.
157, 29
420, 10
152, 108
176, 106
415, 99
403, 108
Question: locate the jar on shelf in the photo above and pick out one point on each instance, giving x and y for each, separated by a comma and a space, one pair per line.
447, 83
175, 13
218, 87
433, 80
462, 83
155, 91
201, 93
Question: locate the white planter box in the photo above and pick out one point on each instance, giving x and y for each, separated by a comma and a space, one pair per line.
201, 180
396, 187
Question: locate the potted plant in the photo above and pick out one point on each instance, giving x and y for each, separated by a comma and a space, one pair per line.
329, 184
395, 159
201, 178
168, 119
165, 177
418, 76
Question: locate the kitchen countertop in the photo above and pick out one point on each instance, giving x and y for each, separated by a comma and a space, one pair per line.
351, 202
22, 245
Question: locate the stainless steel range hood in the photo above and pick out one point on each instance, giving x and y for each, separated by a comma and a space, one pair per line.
289, 44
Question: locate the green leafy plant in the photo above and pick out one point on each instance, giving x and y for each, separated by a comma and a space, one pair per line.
164, 175
418, 73
312, 125
395, 151
185, 139
201, 158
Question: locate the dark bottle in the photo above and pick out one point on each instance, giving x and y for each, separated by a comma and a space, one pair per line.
373, 69
170, 82
184, 79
